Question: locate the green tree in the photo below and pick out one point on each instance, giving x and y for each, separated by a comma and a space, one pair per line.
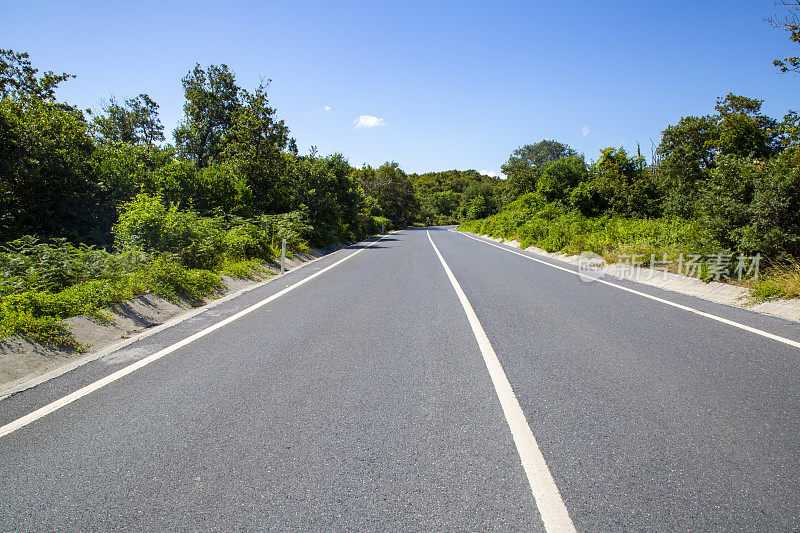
19, 79
626, 184
525, 164
135, 122
477, 208
689, 149
257, 144
47, 186
478, 197
445, 203
687, 155
561, 176
392, 190
324, 188
212, 104
741, 128
753, 206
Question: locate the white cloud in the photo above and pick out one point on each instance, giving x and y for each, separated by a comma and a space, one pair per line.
368, 121
327, 108
489, 173
585, 131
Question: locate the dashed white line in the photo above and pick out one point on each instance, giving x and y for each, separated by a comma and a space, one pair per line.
99, 384
548, 499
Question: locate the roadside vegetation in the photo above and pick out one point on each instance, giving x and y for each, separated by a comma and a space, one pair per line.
96, 207
722, 190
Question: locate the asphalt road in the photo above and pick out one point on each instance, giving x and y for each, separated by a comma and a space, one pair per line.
360, 399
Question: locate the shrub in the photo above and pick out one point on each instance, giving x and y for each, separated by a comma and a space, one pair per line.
147, 224
477, 208
292, 226
171, 280
754, 206
555, 228
26, 263
44, 283
782, 280
247, 269
247, 241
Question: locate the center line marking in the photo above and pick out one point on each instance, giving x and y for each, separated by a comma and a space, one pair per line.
548, 499
111, 378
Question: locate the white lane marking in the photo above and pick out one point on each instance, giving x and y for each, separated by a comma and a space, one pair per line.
99, 384
28, 383
548, 499
757, 331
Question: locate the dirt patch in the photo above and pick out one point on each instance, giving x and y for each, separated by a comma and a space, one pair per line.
20, 357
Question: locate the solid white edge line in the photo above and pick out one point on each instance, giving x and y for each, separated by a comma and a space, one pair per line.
25, 383
744, 327
545, 492
99, 384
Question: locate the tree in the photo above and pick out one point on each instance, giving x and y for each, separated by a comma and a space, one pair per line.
526, 163
257, 144
212, 103
477, 208
690, 149
325, 190
392, 190
134, 122
478, 201
753, 206
625, 184
687, 156
743, 130
18, 79
561, 176
47, 186
439, 193
791, 24
444, 204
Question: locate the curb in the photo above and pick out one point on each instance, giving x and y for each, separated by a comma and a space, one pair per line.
35, 379
713, 291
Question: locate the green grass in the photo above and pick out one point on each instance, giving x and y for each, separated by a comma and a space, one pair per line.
781, 280
245, 269
38, 314
44, 283
556, 229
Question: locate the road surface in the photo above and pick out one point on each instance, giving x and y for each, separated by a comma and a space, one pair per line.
425, 381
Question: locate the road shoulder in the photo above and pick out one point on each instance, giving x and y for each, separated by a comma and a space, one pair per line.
25, 364
722, 293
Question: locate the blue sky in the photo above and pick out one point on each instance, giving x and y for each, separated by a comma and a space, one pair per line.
449, 84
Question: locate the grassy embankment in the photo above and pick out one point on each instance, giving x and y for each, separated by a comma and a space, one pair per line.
178, 255
559, 230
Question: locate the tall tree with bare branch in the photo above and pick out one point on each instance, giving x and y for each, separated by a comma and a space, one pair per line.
791, 24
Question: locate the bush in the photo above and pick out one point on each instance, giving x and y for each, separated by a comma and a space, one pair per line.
477, 208
782, 280
26, 263
754, 206
171, 280
293, 226
44, 283
556, 228
247, 241
145, 223
247, 269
